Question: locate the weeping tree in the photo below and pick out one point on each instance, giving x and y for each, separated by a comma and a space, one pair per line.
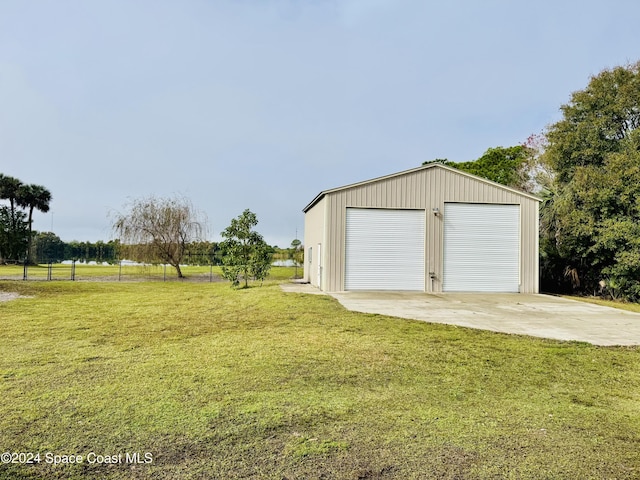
246, 254
158, 230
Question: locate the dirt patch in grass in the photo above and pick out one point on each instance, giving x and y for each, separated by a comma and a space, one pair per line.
8, 296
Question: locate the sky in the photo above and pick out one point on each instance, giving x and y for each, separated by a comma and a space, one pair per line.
261, 105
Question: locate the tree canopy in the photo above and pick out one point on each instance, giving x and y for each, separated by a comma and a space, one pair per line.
591, 221
16, 224
509, 166
596, 123
245, 253
158, 230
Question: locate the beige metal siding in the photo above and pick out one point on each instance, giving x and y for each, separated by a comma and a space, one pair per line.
314, 233
426, 188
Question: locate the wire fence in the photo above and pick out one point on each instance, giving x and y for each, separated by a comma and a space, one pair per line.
121, 271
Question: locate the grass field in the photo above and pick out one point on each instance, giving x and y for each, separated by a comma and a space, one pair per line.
105, 272
219, 383
82, 272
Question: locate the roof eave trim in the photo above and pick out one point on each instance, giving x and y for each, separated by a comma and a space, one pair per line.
315, 200
412, 170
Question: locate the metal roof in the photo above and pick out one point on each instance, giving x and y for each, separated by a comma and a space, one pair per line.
417, 169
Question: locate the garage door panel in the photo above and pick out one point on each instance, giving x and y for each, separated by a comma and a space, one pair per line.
384, 249
481, 247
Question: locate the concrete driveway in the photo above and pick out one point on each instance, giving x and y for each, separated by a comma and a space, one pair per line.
536, 315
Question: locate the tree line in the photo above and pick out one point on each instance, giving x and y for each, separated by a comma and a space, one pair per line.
49, 248
586, 169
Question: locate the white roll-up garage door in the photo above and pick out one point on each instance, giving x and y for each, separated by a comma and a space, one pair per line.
384, 249
481, 247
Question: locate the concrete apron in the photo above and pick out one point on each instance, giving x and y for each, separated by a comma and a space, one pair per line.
525, 314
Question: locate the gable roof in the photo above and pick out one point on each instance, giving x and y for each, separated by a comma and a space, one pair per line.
417, 169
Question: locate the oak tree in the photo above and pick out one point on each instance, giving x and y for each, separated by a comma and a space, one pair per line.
510, 166
592, 219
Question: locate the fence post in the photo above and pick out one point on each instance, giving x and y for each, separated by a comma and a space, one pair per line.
73, 270
120, 270
25, 271
49, 271
165, 273
210, 272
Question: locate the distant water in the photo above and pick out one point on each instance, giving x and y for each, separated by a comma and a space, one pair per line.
124, 262
277, 263
69, 262
284, 263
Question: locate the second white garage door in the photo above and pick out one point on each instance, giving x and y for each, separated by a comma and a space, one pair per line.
384, 249
481, 247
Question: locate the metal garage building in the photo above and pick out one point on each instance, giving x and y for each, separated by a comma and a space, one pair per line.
432, 229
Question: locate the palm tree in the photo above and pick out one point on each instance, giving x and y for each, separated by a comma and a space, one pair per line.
33, 197
9, 190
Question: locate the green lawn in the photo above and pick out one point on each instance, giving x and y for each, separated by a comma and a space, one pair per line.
257, 383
